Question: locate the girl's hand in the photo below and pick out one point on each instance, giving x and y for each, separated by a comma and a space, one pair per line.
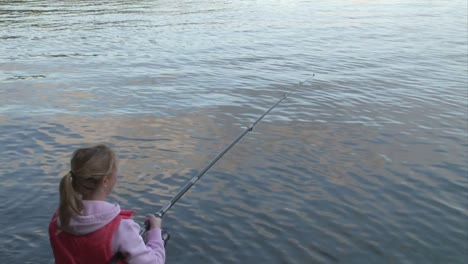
155, 222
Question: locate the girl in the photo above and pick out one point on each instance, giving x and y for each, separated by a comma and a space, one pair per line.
87, 229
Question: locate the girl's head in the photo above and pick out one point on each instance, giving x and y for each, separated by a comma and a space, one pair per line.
92, 177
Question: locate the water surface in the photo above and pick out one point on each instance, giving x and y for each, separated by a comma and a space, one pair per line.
364, 164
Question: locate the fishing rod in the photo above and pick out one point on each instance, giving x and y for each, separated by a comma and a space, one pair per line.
197, 177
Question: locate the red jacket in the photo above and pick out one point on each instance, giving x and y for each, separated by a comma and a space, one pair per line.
92, 248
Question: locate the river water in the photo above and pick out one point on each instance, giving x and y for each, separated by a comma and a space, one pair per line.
365, 163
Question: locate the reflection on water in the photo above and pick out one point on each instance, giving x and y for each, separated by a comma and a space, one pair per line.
365, 164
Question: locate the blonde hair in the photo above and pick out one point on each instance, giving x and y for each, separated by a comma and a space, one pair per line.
88, 168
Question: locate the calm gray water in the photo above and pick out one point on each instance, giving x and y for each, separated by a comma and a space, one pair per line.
364, 164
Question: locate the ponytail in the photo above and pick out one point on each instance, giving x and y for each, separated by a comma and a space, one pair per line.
70, 201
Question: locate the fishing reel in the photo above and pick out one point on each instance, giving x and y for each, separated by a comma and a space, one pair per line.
165, 235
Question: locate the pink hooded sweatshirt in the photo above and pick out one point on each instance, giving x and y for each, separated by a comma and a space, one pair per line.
126, 240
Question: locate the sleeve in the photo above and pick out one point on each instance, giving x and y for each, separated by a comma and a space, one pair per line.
128, 241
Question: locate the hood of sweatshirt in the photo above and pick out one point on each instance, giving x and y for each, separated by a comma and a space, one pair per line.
95, 215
